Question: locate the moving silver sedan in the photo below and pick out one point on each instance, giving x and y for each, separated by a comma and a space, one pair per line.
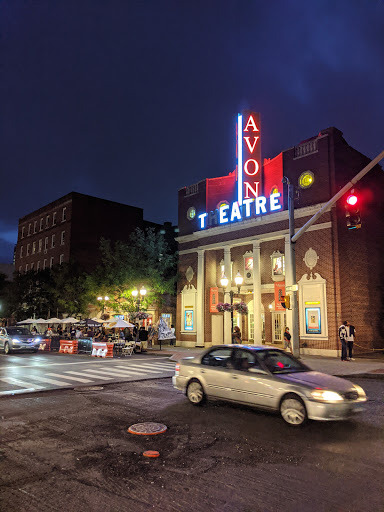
18, 339
268, 378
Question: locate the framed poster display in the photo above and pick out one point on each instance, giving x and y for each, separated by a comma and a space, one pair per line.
312, 321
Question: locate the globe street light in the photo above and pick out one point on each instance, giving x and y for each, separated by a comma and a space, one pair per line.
224, 283
103, 300
135, 293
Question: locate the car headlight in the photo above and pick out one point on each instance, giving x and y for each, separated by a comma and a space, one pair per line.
15, 340
324, 395
37, 340
360, 391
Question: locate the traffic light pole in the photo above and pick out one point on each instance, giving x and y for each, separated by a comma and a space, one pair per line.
295, 342
294, 237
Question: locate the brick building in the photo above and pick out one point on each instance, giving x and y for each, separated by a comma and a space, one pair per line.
70, 229
339, 271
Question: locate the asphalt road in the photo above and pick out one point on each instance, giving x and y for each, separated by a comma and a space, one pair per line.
25, 373
69, 450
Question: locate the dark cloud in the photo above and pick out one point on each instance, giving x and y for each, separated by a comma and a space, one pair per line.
132, 100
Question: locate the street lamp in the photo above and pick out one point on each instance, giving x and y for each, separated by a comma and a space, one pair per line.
103, 300
135, 293
224, 283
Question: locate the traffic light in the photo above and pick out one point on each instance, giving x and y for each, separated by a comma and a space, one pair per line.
352, 211
285, 301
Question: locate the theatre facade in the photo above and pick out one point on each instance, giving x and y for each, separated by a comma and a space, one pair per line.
237, 225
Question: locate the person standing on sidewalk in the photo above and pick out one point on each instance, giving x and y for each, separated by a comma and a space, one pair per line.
350, 339
343, 333
287, 339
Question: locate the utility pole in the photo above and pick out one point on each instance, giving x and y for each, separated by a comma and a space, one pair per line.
293, 237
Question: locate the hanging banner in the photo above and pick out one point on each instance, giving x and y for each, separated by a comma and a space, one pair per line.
213, 299
279, 292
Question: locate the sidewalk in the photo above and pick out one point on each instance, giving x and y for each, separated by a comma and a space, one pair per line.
361, 367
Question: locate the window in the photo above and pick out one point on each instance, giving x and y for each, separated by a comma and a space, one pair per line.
45, 264
243, 360
61, 258
62, 239
38, 266
32, 265
22, 231
53, 242
27, 251
51, 262
35, 226
47, 222
20, 269
29, 229
64, 214
21, 251
41, 224
33, 247
26, 267
40, 244
278, 266
54, 218
46, 244
217, 357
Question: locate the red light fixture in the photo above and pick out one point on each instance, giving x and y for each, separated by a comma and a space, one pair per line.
352, 199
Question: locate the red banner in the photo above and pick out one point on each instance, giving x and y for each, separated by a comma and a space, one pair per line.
279, 291
213, 299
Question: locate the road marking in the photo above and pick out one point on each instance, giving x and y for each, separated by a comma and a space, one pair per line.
68, 377
17, 382
18, 391
120, 373
50, 381
88, 374
154, 365
155, 368
93, 361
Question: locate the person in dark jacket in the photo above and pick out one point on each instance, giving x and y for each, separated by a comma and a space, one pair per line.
343, 333
351, 331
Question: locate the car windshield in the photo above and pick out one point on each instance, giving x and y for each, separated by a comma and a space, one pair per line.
21, 331
278, 361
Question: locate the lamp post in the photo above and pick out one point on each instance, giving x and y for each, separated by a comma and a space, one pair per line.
103, 301
224, 283
135, 293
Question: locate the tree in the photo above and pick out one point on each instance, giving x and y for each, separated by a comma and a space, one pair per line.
145, 261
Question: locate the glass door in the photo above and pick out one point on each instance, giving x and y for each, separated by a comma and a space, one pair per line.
278, 326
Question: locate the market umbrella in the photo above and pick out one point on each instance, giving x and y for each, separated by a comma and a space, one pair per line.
88, 322
119, 324
27, 321
39, 321
53, 321
70, 320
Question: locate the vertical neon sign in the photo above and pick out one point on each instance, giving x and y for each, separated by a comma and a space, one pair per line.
248, 157
240, 159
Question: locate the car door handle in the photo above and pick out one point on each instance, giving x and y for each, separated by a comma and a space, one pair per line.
202, 371
235, 377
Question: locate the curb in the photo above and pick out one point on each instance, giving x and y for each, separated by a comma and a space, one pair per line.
378, 376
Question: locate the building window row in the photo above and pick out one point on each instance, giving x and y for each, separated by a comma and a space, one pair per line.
48, 223
40, 244
40, 266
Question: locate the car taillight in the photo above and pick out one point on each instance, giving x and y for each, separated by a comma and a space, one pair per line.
177, 369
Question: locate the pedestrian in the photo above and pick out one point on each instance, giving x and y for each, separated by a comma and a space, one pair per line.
287, 339
343, 333
173, 339
351, 331
236, 336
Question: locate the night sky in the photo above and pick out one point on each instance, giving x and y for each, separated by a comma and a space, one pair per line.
132, 100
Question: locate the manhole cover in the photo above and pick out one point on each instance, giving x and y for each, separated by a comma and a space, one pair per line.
90, 388
147, 429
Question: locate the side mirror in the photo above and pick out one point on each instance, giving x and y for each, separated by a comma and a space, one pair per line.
257, 370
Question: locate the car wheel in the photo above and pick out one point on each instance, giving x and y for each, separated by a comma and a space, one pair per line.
195, 393
7, 350
292, 410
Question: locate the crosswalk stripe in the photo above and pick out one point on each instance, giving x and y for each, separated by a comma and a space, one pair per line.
17, 382
134, 373
88, 375
153, 367
50, 381
68, 377
18, 391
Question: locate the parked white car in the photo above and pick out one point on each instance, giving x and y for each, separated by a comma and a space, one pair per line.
17, 339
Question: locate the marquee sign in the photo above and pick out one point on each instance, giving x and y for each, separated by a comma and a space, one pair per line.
249, 186
248, 156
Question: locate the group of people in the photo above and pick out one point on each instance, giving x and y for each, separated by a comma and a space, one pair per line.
347, 334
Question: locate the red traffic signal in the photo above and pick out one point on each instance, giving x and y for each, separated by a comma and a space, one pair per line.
352, 211
352, 200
